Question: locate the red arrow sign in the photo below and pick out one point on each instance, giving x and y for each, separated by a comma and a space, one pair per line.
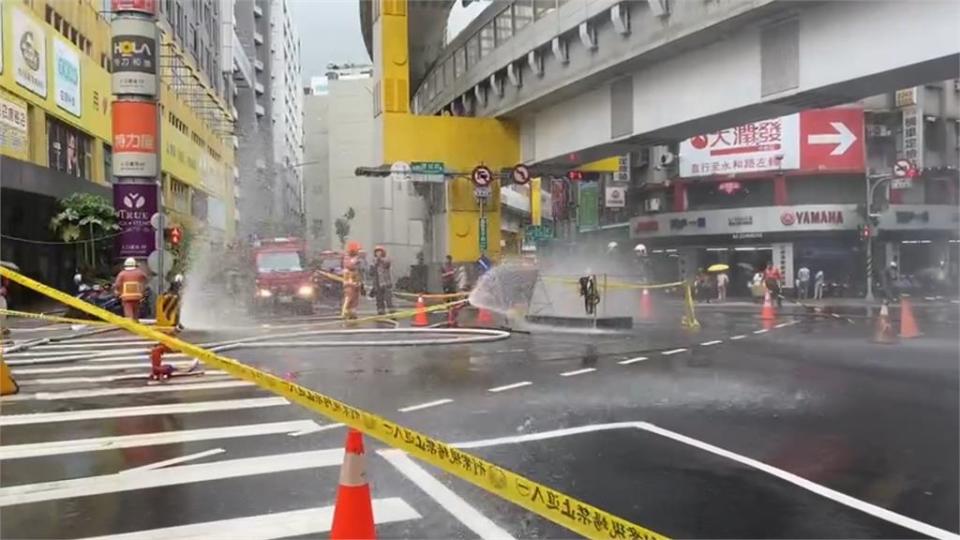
832, 139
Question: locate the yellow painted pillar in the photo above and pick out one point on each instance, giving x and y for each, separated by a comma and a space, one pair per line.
460, 143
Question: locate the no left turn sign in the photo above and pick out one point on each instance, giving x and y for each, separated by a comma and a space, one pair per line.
521, 174
902, 168
482, 176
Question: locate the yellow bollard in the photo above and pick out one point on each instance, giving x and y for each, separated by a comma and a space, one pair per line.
689, 319
8, 386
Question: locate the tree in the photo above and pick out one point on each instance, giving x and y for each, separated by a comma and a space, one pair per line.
83, 218
342, 226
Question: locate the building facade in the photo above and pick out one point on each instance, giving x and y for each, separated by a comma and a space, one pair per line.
792, 191
270, 116
56, 139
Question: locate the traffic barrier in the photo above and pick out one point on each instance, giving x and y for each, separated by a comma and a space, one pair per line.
646, 305
883, 331
420, 318
908, 323
8, 386
168, 310
689, 318
572, 514
767, 312
353, 512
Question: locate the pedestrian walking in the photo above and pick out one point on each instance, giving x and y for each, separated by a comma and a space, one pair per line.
382, 281
448, 276
772, 279
889, 278
722, 281
818, 284
803, 282
129, 286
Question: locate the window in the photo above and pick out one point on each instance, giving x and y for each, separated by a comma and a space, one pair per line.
473, 51
522, 14
504, 26
459, 62
108, 162
68, 149
487, 42
542, 7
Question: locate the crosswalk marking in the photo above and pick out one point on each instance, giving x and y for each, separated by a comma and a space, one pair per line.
183, 474
310, 521
207, 375
171, 386
174, 461
146, 410
91, 367
53, 448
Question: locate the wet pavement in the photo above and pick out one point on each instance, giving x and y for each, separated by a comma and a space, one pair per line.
803, 429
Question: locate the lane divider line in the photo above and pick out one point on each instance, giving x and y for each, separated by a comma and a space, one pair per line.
761, 331
426, 405
506, 387
629, 361
673, 351
740, 336
577, 372
713, 342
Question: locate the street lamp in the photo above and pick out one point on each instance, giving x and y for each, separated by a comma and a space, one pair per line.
873, 182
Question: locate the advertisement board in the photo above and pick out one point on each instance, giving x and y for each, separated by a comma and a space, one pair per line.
742, 223
812, 141
66, 76
29, 44
135, 204
615, 197
148, 7
134, 138
14, 127
135, 55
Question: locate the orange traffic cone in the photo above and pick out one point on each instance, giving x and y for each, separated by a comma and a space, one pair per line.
908, 324
484, 317
420, 317
353, 513
766, 312
883, 332
8, 386
646, 305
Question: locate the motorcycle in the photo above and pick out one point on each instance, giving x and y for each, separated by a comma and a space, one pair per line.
104, 298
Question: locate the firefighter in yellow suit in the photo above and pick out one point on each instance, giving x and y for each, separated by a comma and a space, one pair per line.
352, 281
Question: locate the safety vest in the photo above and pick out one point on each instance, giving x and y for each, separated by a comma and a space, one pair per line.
131, 290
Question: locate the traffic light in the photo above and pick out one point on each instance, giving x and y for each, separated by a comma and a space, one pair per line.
866, 232
575, 176
174, 235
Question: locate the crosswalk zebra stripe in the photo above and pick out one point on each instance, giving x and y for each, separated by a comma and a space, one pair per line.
143, 410
307, 522
207, 375
171, 476
172, 386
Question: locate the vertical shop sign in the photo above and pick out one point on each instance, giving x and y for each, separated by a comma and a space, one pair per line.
135, 138
13, 127
134, 57
135, 204
29, 52
588, 205
66, 77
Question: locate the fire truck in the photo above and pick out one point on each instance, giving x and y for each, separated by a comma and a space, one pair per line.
283, 282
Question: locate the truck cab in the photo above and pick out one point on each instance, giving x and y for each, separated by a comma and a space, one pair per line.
283, 281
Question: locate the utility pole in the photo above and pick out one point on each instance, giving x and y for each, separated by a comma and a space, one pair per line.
873, 182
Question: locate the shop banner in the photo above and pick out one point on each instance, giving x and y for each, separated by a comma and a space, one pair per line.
135, 139
135, 205
29, 52
743, 223
135, 56
588, 205
66, 76
14, 138
148, 7
616, 197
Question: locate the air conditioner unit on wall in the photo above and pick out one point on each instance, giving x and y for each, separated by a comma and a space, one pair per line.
651, 205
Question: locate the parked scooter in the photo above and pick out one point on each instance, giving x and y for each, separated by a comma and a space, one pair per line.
104, 298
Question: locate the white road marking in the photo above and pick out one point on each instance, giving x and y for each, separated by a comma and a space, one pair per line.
761, 331
92, 345
308, 522
480, 524
426, 405
712, 342
506, 387
146, 410
734, 338
174, 461
823, 491
102, 392
781, 325
314, 429
673, 351
37, 352
172, 476
73, 446
842, 498
577, 372
92, 367
632, 360
106, 378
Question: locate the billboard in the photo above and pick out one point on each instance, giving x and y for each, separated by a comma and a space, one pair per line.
14, 125
135, 205
66, 76
29, 52
135, 138
813, 140
148, 7
135, 56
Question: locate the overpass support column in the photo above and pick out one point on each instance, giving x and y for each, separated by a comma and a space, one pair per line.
460, 143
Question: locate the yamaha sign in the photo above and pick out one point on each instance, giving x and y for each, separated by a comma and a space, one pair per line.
748, 221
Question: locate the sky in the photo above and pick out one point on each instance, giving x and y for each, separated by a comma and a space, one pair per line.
330, 31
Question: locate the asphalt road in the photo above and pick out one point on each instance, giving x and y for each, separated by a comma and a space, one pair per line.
802, 429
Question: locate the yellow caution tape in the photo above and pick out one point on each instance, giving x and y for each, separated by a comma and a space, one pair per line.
67, 320
429, 296
619, 284
575, 515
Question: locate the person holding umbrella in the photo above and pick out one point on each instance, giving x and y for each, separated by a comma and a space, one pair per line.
723, 279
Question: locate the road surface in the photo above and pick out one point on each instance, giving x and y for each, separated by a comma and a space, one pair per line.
802, 429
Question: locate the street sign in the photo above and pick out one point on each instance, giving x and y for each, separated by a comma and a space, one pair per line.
483, 233
427, 171
158, 221
153, 261
482, 176
521, 174
482, 193
900, 183
901, 169
534, 233
616, 197
400, 170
